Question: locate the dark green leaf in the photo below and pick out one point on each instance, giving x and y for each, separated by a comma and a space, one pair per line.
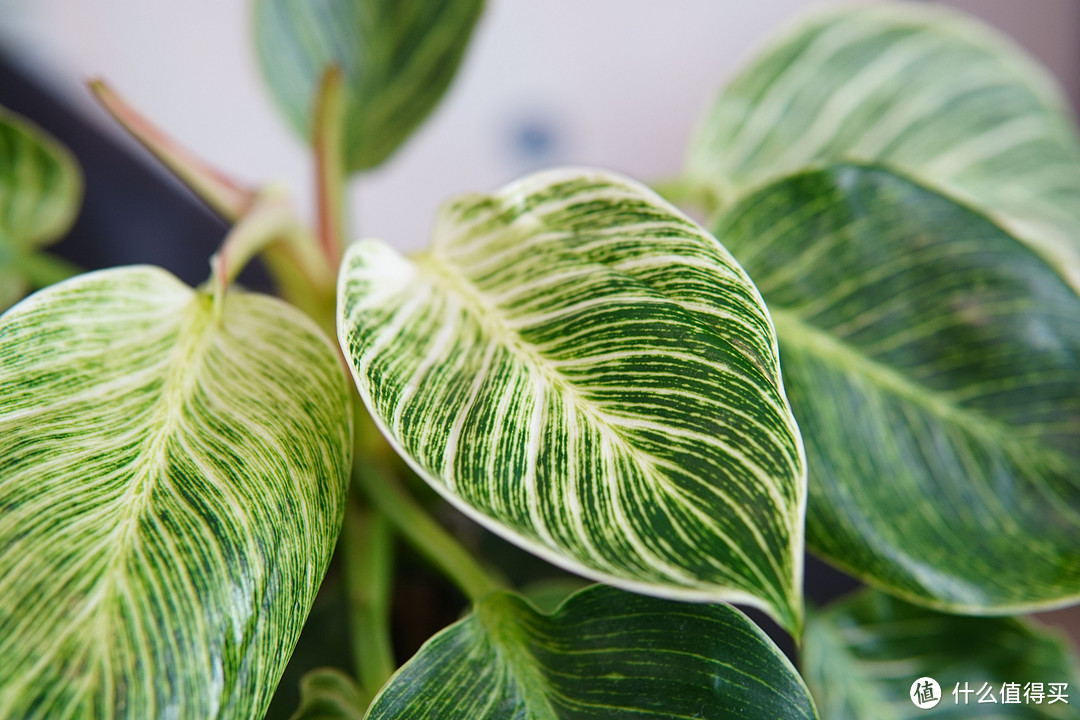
862, 655
398, 56
605, 654
933, 363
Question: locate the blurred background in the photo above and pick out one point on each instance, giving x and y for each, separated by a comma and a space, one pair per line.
612, 83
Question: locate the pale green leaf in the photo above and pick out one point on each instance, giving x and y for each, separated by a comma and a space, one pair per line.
40, 191
329, 694
922, 89
933, 363
172, 478
604, 654
587, 372
861, 656
399, 57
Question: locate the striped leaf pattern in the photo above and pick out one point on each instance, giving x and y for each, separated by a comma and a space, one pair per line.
605, 654
861, 656
933, 363
40, 190
920, 89
172, 478
399, 57
588, 373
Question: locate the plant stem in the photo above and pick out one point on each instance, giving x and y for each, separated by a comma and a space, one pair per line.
329, 122
369, 559
270, 220
422, 532
224, 195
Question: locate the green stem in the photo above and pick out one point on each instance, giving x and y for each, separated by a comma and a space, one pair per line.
422, 532
369, 564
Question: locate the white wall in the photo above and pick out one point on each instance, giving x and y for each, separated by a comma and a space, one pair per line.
615, 83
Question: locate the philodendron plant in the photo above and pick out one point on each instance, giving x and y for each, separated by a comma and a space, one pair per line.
869, 348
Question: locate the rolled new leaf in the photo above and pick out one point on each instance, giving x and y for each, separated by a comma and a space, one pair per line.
172, 479
398, 56
933, 363
591, 375
604, 654
862, 656
40, 190
925, 90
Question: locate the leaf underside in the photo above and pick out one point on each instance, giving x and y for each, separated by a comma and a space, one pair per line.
862, 655
933, 363
589, 374
171, 486
398, 56
604, 654
924, 90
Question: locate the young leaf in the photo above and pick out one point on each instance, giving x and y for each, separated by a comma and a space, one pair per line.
933, 362
604, 654
861, 657
172, 478
591, 375
329, 694
920, 89
398, 56
40, 190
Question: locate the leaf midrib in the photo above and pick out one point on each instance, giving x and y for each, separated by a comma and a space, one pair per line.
191, 345
499, 618
441, 271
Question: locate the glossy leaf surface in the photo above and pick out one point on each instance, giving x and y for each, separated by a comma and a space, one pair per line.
921, 89
172, 477
399, 57
862, 655
40, 190
604, 654
588, 373
933, 363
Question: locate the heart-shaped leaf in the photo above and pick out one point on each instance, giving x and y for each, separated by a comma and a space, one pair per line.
590, 374
398, 56
604, 654
40, 190
862, 656
921, 89
172, 479
933, 362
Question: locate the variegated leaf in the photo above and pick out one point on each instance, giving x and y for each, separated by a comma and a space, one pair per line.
933, 363
172, 478
398, 56
862, 656
605, 654
587, 372
919, 88
40, 190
